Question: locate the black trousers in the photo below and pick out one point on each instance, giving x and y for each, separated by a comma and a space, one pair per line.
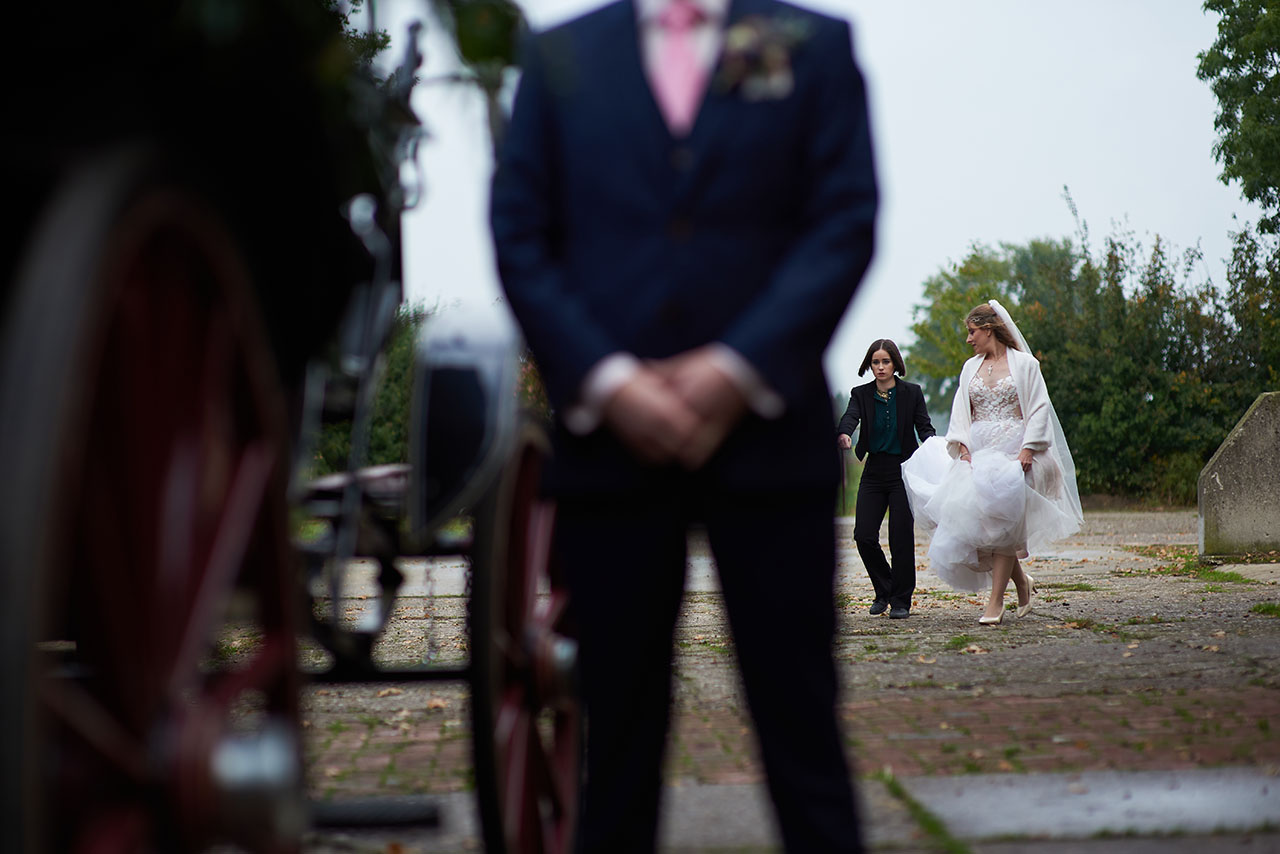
881, 489
625, 559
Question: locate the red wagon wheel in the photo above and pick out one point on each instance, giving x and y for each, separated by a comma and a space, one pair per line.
144, 450
526, 713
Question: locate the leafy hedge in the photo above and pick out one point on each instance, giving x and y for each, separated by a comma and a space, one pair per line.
389, 430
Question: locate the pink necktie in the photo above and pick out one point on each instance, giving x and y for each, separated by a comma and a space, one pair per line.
680, 78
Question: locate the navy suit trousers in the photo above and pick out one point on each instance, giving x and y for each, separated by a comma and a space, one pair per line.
625, 560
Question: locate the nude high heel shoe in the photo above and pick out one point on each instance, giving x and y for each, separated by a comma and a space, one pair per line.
1023, 610
992, 621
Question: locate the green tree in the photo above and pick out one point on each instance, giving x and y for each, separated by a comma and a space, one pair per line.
1134, 348
1243, 69
1252, 345
939, 349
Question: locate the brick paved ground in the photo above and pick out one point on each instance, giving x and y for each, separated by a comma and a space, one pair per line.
1124, 664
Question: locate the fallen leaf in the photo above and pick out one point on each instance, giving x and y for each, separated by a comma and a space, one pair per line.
332, 771
923, 660
437, 703
1219, 634
944, 725
389, 692
1005, 765
974, 649
1127, 655
1209, 648
1133, 645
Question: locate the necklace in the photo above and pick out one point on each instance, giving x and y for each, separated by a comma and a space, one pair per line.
991, 367
883, 394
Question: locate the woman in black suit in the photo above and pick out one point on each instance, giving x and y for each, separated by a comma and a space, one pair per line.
885, 410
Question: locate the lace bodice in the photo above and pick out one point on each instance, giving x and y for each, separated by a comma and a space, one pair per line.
994, 403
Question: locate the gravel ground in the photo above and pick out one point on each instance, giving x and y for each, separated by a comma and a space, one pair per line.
1135, 657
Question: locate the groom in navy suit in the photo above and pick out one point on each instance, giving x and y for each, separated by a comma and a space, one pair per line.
683, 208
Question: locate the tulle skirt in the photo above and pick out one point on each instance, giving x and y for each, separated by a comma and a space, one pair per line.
985, 507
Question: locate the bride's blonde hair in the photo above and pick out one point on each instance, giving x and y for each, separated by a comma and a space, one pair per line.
983, 316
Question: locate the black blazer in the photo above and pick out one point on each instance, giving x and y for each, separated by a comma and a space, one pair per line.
911, 411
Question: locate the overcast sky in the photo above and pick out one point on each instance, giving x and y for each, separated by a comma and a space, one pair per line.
981, 112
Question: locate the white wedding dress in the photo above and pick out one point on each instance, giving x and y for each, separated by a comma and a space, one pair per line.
987, 506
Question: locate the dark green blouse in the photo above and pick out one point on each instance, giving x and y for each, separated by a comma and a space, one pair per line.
884, 425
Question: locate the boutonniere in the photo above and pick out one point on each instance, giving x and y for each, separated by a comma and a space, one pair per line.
757, 57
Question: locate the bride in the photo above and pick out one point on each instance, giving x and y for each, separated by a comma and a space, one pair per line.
1002, 484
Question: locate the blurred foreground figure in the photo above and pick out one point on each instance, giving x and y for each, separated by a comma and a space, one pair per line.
683, 208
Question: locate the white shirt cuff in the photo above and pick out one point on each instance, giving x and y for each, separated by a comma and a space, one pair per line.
762, 399
605, 377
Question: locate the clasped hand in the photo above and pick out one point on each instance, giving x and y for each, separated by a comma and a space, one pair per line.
677, 409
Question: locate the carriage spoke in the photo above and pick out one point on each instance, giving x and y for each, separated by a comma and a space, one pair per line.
82, 714
511, 738
230, 541
543, 772
537, 554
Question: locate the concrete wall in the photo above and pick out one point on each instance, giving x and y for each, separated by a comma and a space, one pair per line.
1239, 489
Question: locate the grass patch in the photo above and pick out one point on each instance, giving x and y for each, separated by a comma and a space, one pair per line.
1184, 561
928, 823
960, 641
943, 596
1270, 609
1082, 586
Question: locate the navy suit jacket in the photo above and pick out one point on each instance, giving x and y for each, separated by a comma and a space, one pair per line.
754, 230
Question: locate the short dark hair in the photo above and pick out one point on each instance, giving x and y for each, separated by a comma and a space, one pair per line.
899, 367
